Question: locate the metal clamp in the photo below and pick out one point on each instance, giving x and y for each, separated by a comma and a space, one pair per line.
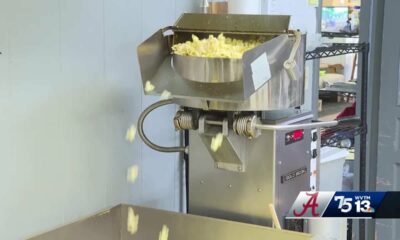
226, 157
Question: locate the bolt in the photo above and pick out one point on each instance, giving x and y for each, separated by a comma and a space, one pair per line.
202, 181
239, 168
259, 189
230, 186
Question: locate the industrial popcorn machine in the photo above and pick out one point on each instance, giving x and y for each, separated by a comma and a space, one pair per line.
269, 147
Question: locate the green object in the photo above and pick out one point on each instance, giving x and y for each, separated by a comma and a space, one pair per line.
322, 73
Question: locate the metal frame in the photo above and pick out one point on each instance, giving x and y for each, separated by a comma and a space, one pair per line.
363, 48
337, 49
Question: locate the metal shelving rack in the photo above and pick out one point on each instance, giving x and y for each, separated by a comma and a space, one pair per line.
337, 49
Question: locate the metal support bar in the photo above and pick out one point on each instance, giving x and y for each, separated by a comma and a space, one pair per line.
297, 126
363, 136
336, 49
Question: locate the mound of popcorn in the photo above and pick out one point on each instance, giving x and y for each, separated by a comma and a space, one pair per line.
214, 47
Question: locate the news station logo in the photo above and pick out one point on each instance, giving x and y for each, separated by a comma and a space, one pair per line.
346, 205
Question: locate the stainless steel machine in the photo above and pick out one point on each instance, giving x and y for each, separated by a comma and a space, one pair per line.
269, 150
269, 147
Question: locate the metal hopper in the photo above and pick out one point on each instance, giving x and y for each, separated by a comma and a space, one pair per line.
112, 225
257, 82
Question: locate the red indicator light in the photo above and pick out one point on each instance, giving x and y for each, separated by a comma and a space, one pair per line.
298, 134
295, 136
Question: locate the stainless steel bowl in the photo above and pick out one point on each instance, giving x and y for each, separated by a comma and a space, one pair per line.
208, 70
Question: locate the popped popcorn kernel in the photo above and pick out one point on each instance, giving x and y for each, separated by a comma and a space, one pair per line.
218, 47
131, 133
216, 142
133, 173
165, 95
149, 87
132, 222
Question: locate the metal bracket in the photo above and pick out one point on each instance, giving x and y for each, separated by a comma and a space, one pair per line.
226, 157
337, 49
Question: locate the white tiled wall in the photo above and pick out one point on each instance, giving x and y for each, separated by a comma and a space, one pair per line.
69, 88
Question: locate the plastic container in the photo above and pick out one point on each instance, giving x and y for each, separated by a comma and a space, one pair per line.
331, 175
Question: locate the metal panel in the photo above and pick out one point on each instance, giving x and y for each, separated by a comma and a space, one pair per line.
234, 23
244, 196
112, 225
289, 158
389, 113
233, 195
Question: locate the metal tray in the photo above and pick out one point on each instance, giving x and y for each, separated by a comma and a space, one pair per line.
112, 225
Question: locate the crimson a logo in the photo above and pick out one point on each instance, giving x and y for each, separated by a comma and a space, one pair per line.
310, 204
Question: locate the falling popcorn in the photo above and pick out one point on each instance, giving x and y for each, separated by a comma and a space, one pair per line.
148, 87
164, 233
133, 173
133, 221
130, 134
165, 94
216, 142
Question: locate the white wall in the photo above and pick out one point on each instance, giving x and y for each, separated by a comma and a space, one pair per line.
303, 17
69, 88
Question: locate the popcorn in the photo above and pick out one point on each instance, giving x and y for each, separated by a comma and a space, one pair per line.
131, 133
216, 142
149, 87
220, 47
165, 95
132, 222
164, 233
133, 173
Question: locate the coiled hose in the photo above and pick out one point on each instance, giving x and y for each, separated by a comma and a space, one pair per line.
143, 136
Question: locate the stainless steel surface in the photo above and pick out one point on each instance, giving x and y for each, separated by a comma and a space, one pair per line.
244, 196
237, 23
296, 126
208, 70
279, 92
227, 157
112, 225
